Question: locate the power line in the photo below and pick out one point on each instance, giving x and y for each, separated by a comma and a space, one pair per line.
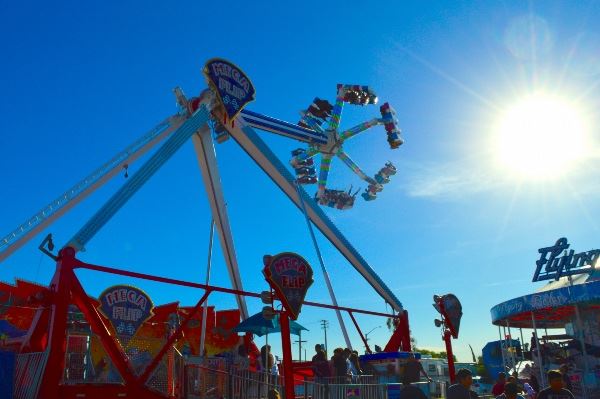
300, 342
324, 327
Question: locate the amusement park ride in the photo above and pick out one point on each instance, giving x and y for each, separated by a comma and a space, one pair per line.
214, 116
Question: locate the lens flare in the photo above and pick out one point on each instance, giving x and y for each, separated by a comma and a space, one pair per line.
540, 137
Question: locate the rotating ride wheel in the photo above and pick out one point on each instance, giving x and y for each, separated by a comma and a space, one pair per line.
323, 117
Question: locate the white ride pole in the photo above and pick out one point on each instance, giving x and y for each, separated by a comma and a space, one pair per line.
207, 281
325, 274
502, 349
539, 353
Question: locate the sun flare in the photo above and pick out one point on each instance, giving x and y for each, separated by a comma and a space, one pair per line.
540, 137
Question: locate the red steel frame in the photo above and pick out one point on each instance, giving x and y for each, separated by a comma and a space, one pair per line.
66, 288
447, 337
449, 332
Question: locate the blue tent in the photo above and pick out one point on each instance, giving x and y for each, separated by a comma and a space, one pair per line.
258, 325
492, 356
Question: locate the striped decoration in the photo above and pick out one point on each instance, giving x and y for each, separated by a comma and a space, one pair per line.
336, 114
324, 172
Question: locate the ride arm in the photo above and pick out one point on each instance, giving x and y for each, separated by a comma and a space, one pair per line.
66, 201
336, 114
323, 173
354, 167
256, 148
346, 134
135, 182
283, 128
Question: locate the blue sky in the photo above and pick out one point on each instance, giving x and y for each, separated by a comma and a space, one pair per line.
81, 81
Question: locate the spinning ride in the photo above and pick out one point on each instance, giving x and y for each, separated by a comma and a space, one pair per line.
203, 119
197, 119
320, 114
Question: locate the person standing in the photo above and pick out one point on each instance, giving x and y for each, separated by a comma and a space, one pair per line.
556, 389
534, 342
347, 353
511, 391
528, 389
320, 367
413, 370
340, 367
355, 362
498, 388
462, 389
318, 350
266, 359
515, 378
533, 381
564, 369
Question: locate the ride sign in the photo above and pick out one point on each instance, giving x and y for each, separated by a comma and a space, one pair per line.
451, 309
232, 86
453, 313
290, 276
551, 265
126, 307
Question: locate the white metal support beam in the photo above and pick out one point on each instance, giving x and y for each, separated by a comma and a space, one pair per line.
205, 152
73, 196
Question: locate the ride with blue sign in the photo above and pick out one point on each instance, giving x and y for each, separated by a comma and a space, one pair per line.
555, 266
232, 85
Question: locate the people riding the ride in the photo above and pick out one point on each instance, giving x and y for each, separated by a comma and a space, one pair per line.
305, 170
358, 95
338, 199
390, 122
370, 193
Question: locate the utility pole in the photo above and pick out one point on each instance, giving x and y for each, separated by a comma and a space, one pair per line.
325, 326
367, 339
299, 342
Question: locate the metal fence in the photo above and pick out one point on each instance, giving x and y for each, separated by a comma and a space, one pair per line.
220, 380
342, 391
225, 381
28, 374
437, 389
86, 362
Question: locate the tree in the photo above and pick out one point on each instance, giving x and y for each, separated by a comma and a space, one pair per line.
434, 354
481, 369
391, 323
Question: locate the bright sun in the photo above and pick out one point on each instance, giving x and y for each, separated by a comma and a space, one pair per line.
540, 137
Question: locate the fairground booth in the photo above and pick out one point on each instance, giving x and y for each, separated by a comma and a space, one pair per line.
568, 305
